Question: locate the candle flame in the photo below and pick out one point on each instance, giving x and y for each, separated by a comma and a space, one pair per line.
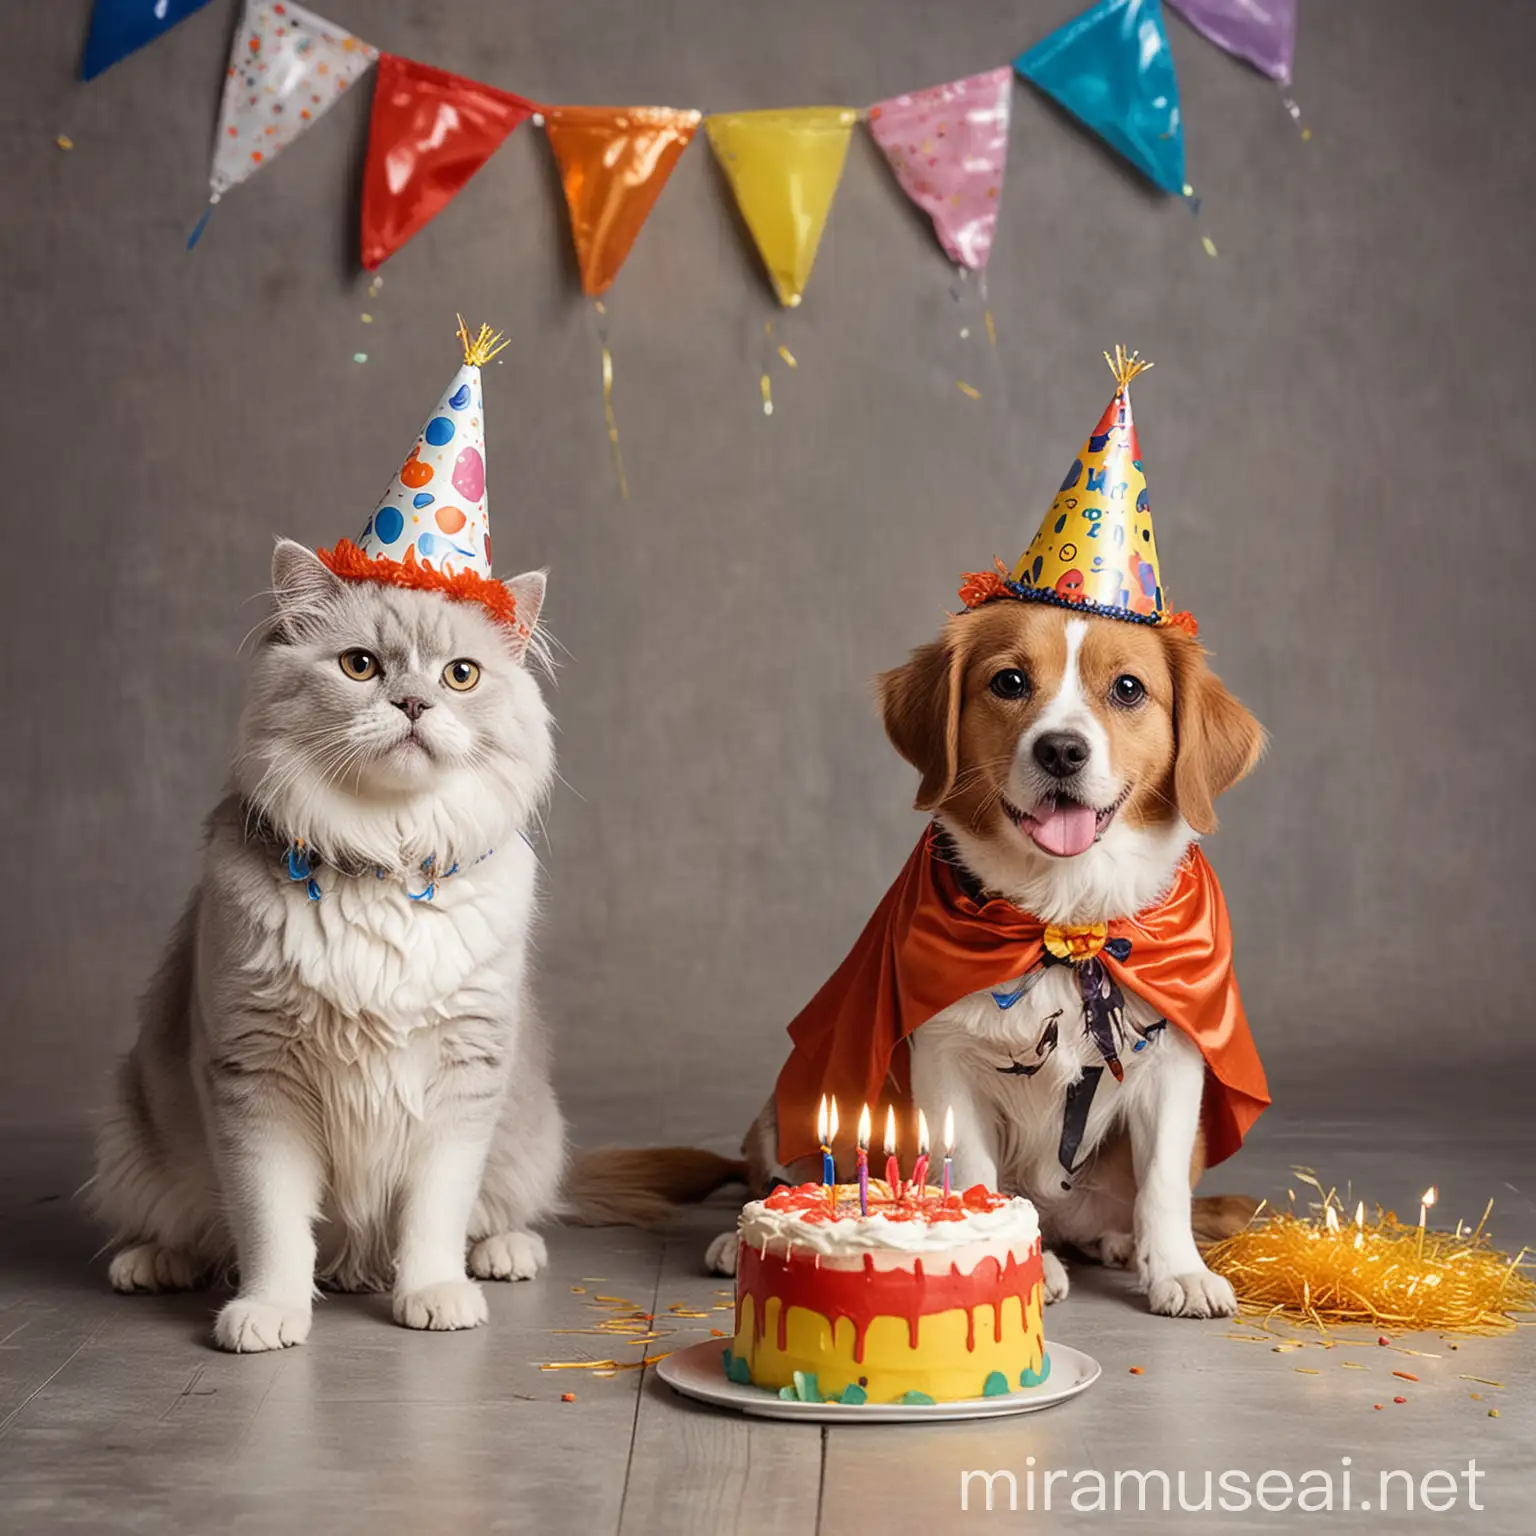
1331, 1219
832, 1127
1360, 1216
821, 1121
864, 1127
890, 1130
949, 1130
922, 1134
1430, 1195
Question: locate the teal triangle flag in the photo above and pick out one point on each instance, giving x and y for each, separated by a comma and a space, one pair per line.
1112, 70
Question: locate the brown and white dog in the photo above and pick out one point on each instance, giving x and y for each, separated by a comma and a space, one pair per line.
1071, 760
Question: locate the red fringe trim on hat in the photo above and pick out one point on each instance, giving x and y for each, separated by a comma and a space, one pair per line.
353, 564
978, 587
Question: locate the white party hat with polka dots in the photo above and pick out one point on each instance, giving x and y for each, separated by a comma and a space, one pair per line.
431, 528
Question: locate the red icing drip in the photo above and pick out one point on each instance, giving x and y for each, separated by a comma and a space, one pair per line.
809, 1202
861, 1295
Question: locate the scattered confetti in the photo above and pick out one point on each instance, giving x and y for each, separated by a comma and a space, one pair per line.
367, 319
1137, 1370
567, 1397
991, 329
1305, 1370
359, 357
766, 385
1351, 1365
1209, 244
720, 1333
578, 1290
788, 356
968, 390
1406, 1375
64, 141
374, 287
1399, 1399
1376, 1406
1483, 1381
1384, 1341
1306, 133
1476, 1397
1493, 1413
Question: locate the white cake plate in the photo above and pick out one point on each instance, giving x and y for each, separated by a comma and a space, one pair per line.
698, 1372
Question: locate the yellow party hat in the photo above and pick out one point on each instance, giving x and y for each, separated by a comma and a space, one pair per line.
1096, 549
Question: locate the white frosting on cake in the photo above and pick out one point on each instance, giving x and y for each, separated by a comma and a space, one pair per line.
1013, 1224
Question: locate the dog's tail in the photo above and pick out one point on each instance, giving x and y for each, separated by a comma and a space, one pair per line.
1219, 1216
642, 1186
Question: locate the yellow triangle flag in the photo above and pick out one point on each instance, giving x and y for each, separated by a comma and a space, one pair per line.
784, 167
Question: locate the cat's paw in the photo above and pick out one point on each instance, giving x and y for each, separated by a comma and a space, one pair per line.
720, 1256
508, 1256
1056, 1285
1196, 1294
249, 1325
152, 1267
442, 1307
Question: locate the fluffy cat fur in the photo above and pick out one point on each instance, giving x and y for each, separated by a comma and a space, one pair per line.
354, 1089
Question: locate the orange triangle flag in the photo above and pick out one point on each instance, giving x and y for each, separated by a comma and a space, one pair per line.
613, 161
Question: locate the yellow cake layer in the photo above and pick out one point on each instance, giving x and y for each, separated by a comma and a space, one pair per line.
941, 1366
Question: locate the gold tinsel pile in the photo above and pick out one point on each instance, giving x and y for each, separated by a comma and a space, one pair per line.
1331, 1268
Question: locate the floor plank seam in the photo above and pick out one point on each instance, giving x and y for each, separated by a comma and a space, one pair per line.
642, 1374
821, 1479
42, 1386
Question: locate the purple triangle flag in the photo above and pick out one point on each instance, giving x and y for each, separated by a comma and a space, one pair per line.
1261, 31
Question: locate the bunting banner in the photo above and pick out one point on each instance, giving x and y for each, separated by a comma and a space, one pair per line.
121, 27
1111, 68
430, 132
784, 167
287, 68
1262, 32
613, 162
948, 146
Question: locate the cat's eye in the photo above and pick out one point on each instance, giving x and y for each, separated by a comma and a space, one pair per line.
359, 665
461, 675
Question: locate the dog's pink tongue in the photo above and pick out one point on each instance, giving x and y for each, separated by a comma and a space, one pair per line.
1062, 829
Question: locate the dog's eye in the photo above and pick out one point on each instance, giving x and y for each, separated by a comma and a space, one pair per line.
1128, 690
359, 665
1010, 683
461, 675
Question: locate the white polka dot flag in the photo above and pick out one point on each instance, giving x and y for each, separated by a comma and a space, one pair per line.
287, 67
435, 505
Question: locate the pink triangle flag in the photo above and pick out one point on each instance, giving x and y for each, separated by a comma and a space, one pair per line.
948, 146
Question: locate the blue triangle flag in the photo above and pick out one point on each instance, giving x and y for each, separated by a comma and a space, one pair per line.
1112, 70
121, 27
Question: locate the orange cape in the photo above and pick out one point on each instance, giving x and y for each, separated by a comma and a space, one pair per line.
929, 944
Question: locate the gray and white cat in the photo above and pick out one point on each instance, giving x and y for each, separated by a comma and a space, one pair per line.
326, 1046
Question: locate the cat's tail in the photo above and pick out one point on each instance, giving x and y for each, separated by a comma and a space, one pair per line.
642, 1186
1217, 1216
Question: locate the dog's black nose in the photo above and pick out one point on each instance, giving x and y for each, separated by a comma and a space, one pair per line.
1061, 753
414, 707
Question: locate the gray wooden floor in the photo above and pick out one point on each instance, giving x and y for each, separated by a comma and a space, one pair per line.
115, 1415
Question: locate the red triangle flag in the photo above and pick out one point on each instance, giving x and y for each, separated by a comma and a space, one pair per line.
430, 132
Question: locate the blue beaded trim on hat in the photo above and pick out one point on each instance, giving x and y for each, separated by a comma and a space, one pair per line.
1082, 605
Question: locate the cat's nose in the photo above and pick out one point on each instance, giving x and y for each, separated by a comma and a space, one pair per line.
413, 705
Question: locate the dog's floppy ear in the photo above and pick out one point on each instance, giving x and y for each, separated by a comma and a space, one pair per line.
921, 705
1217, 740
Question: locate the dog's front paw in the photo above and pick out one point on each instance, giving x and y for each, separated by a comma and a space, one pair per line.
249, 1325
1056, 1283
152, 1267
1196, 1294
508, 1256
720, 1256
443, 1307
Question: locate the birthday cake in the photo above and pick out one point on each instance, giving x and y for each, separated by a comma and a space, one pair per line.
921, 1300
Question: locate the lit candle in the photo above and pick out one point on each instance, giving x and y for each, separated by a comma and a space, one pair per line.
920, 1167
864, 1161
949, 1149
892, 1167
1426, 1200
824, 1136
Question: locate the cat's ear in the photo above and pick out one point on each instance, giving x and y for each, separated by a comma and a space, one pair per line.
300, 584
528, 594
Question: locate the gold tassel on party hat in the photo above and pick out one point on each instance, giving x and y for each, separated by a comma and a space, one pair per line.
1125, 366
480, 348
